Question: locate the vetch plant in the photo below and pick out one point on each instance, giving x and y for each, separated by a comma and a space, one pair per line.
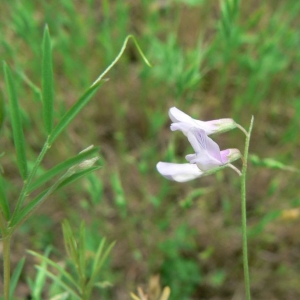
208, 159
60, 175
82, 274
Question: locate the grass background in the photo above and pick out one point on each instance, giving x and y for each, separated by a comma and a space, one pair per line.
210, 59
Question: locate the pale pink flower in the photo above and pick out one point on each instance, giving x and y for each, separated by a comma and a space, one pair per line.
183, 122
207, 158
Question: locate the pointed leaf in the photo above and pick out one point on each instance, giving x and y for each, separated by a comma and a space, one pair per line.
73, 112
2, 111
70, 242
47, 81
16, 122
15, 277
81, 251
34, 204
58, 267
4, 206
41, 276
77, 175
62, 166
101, 261
98, 255
58, 281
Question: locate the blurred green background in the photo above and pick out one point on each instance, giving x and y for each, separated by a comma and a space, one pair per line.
211, 59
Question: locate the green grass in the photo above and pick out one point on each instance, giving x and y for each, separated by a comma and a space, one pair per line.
212, 62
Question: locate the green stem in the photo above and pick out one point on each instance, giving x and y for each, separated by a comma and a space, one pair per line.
6, 265
244, 214
24, 192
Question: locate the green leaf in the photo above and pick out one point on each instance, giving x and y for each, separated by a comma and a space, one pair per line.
34, 204
70, 242
73, 112
41, 277
57, 280
15, 277
81, 251
62, 166
47, 81
101, 258
77, 175
98, 255
16, 122
4, 206
55, 265
21, 215
2, 111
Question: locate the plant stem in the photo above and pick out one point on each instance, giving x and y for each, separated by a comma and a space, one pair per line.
6, 265
27, 183
244, 214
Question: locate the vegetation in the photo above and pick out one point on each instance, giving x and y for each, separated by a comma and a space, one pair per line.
226, 59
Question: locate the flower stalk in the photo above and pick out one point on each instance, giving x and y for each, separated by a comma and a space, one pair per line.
244, 213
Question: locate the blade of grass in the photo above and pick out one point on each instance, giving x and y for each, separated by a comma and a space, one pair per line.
2, 111
47, 81
55, 265
15, 277
16, 122
61, 167
70, 242
61, 283
101, 261
81, 253
4, 206
41, 276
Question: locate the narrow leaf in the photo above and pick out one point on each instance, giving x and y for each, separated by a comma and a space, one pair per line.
41, 276
34, 204
16, 122
58, 281
98, 255
81, 252
53, 264
77, 175
99, 266
62, 166
2, 111
73, 112
4, 206
47, 81
21, 215
15, 277
70, 242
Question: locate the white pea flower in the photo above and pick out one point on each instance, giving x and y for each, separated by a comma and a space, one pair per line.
207, 158
183, 122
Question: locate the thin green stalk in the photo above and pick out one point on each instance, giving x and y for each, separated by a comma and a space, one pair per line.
6, 265
24, 192
244, 214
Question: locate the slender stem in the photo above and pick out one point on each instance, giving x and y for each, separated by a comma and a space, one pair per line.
242, 128
27, 183
235, 169
120, 54
6, 265
244, 214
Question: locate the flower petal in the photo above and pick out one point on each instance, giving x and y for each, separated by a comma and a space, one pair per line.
178, 172
210, 127
182, 126
177, 115
201, 143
